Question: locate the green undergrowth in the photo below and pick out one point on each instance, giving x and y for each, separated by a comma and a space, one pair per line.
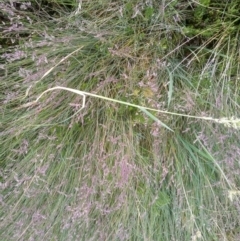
105, 170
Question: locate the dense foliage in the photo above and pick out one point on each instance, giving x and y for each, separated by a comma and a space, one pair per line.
111, 171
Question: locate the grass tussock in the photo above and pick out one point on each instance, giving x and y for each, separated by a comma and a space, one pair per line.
119, 120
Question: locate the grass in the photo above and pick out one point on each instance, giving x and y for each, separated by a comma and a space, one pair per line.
114, 170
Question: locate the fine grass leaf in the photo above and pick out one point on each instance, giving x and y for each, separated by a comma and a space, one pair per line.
155, 118
170, 87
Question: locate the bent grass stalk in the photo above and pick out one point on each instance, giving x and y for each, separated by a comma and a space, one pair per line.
229, 122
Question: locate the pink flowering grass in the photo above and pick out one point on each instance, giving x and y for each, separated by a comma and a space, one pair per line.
112, 170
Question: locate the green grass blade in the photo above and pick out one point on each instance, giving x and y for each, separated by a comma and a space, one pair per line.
170, 87
155, 118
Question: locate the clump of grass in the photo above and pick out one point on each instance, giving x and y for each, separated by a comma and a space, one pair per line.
109, 171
